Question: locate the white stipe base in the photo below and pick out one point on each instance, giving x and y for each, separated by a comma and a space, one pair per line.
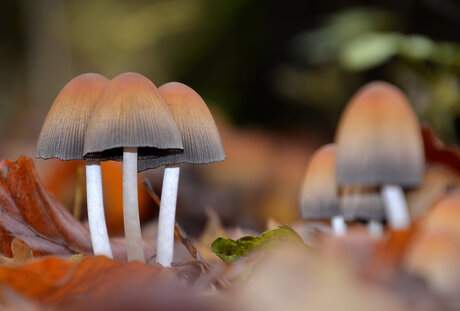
95, 203
166, 219
339, 227
375, 228
396, 207
132, 223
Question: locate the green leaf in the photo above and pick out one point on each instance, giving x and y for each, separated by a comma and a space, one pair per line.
369, 51
229, 250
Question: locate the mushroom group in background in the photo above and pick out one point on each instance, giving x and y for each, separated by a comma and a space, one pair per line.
202, 145
62, 136
379, 145
319, 198
364, 204
131, 121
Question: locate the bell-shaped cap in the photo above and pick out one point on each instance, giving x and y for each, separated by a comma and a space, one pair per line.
379, 140
130, 113
63, 132
362, 203
199, 133
318, 197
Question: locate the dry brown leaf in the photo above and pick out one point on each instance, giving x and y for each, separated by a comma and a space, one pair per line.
99, 283
437, 152
21, 253
28, 212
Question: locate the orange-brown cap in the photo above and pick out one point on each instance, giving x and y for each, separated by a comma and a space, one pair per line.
63, 132
199, 133
131, 113
362, 203
379, 140
435, 258
318, 197
444, 216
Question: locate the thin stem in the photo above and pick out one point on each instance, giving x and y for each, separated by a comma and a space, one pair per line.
375, 228
96, 218
132, 223
339, 227
166, 219
396, 207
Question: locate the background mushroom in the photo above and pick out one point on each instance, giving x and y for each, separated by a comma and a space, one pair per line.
62, 136
363, 204
318, 197
131, 120
380, 145
202, 145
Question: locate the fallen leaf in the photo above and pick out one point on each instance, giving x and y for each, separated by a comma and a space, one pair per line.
293, 278
99, 283
438, 181
437, 152
21, 253
29, 212
435, 257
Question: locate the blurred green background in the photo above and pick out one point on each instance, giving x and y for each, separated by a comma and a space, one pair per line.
276, 75
276, 64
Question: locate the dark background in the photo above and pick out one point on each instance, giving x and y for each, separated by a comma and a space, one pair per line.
276, 75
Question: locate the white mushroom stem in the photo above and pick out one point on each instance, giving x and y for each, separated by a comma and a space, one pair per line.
166, 219
375, 228
96, 218
339, 227
132, 223
396, 207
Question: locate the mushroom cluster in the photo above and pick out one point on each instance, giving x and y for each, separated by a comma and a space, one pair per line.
129, 119
378, 152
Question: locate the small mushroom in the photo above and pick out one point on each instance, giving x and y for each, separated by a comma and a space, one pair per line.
202, 145
62, 136
434, 251
131, 121
318, 197
363, 204
380, 145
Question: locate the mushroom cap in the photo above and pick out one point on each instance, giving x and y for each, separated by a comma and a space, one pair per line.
200, 136
63, 132
444, 215
379, 140
362, 203
130, 113
318, 197
434, 257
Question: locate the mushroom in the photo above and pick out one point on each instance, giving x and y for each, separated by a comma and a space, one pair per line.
434, 251
363, 204
202, 145
318, 197
380, 145
131, 121
62, 136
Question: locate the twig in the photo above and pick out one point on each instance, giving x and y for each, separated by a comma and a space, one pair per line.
179, 233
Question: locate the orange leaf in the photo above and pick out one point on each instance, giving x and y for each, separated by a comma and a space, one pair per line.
28, 212
101, 283
436, 151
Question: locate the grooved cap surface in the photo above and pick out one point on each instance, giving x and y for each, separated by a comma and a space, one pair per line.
131, 113
199, 133
379, 140
63, 132
362, 203
319, 198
